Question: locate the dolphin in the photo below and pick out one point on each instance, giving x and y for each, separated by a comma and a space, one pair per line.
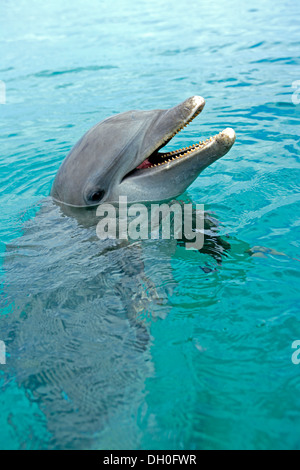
122, 156
76, 334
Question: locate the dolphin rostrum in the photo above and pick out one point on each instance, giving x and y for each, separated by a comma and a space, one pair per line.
121, 156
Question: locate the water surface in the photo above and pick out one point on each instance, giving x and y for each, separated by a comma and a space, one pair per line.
187, 359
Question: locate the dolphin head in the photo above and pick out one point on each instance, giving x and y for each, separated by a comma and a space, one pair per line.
122, 156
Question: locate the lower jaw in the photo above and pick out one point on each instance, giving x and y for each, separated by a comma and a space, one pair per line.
158, 159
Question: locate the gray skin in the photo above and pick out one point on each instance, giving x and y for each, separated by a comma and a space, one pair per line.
103, 164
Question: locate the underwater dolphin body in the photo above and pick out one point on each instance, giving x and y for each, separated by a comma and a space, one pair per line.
121, 156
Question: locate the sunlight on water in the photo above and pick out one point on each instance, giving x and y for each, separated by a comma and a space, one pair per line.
150, 346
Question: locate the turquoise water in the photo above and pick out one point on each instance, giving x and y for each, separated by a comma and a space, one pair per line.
208, 365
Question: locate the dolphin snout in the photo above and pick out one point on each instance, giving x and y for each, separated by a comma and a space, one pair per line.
226, 137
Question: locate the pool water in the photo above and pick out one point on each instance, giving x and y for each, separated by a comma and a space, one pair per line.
100, 352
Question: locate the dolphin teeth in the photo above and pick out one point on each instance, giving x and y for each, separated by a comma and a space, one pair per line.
184, 151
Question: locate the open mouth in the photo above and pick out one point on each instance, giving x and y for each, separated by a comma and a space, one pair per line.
215, 146
158, 158
161, 158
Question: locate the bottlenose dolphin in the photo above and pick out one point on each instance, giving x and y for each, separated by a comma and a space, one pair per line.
78, 332
121, 156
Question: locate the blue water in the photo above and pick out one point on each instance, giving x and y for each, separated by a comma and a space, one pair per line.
216, 369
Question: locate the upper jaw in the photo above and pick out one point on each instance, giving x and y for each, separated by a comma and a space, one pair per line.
167, 124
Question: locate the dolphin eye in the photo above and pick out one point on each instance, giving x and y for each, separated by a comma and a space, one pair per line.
97, 196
